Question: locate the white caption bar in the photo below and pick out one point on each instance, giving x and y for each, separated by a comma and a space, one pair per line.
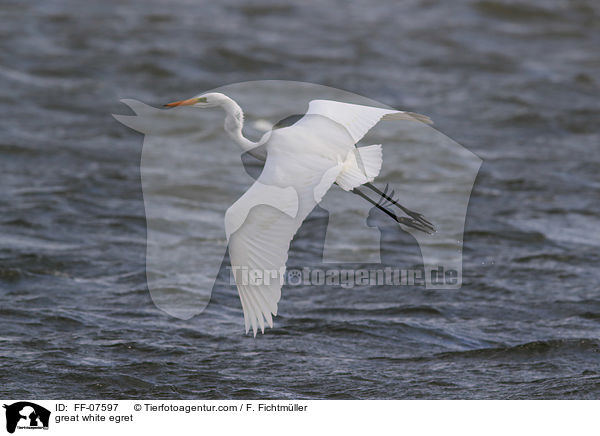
159, 417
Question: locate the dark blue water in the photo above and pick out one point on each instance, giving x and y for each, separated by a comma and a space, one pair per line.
515, 82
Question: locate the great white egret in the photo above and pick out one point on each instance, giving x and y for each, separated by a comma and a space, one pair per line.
302, 161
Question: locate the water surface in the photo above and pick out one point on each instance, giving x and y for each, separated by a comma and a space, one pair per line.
515, 82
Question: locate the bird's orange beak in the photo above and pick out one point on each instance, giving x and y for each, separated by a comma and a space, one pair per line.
188, 102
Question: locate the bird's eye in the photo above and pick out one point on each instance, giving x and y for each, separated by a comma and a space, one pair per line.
202, 100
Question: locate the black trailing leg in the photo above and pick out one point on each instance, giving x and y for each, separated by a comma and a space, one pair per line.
401, 220
414, 215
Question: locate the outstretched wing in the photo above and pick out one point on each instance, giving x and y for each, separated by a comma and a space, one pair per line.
262, 223
358, 119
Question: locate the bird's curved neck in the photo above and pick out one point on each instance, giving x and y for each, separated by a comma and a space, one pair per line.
234, 122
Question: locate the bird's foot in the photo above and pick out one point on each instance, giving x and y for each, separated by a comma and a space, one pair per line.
418, 221
416, 216
417, 225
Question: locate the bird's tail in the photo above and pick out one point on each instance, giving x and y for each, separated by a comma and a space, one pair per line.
361, 166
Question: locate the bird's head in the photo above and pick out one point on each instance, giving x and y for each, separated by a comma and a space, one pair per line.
210, 99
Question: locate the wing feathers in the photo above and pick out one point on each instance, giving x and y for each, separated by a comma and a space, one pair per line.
410, 116
359, 119
284, 199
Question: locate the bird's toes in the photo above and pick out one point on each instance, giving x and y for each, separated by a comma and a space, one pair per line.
417, 225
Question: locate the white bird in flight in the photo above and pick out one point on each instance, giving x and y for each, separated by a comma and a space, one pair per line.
302, 162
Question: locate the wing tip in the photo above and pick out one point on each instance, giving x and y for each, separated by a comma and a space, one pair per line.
411, 116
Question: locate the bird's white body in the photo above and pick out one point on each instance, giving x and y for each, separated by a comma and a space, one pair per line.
302, 162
